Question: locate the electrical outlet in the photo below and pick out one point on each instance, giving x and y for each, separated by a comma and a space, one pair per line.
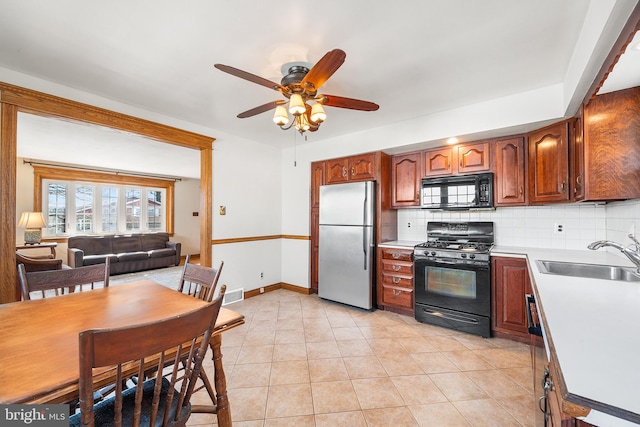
409, 224
558, 228
262, 290
261, 275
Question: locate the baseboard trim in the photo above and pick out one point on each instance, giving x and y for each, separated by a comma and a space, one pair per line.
274, 287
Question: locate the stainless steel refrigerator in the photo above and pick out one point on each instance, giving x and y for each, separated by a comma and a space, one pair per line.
347, 243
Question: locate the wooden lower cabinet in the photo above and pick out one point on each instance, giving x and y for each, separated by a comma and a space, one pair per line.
509, 284
395, 280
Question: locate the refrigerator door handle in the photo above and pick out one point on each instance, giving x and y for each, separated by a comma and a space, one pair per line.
365, 243
364, 246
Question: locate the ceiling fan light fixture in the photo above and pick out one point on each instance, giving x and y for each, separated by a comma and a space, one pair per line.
296, 105
280, 117
317, 113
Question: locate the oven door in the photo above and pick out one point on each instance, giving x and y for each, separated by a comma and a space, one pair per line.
453, 295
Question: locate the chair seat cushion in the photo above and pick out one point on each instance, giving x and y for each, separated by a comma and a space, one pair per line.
104, 411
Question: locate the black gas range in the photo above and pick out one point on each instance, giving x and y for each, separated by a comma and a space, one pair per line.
452, 276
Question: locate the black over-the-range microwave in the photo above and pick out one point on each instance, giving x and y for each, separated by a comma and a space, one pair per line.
464, 192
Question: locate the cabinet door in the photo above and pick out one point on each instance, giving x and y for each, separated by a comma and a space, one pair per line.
509, 155
317, 179
473, 157
362, 168
612, 145
549, 164
337, 170
406, 178
510, 284
438, 162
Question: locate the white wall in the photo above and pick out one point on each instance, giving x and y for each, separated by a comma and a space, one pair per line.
247, 181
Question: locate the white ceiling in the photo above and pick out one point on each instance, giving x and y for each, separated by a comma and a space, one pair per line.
413, 58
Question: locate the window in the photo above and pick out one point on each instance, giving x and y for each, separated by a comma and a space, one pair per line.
110, 204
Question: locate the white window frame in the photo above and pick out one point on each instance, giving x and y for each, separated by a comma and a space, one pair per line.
71, 218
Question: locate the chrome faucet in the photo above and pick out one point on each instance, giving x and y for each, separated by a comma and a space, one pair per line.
632, 254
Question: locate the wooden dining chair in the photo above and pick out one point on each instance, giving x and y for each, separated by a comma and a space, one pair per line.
64, 281
172, 349
199, 281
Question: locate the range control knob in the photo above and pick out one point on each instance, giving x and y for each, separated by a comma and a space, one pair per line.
433, 253
472, 256
463, 255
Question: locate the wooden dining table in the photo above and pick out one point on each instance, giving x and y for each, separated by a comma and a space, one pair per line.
39, 358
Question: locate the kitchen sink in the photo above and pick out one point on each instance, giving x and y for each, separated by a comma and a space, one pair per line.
591, 271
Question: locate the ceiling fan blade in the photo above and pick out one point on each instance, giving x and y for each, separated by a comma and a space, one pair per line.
250, 77
261, 109
350, 103
325, 68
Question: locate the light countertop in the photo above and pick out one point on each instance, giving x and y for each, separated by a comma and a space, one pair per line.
592, 328
399, 244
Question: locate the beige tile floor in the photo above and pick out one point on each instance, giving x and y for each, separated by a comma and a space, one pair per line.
302, 361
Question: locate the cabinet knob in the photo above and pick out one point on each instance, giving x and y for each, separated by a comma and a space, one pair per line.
395, 255
353, 171
397, 292
395, 280
396, 267
344, 172
521, 190
563, 186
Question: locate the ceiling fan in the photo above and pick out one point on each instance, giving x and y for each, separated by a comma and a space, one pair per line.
300, 85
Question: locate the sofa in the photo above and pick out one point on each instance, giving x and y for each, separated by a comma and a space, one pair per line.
126, 252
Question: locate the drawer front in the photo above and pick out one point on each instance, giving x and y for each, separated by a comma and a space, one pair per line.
398, 267
397, 281
397, 254
399, 297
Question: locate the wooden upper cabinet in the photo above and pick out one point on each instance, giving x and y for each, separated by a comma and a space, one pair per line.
473, 157
549, 164
337, 171
458, 160
510, 178
612, 146
439, 162
362, 167
317, 179
355, 168
406, 179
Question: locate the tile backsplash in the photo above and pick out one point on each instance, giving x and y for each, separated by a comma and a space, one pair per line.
537, 226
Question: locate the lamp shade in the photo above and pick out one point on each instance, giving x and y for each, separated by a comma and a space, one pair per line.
280, 117
296, 105
33, 222
317, 113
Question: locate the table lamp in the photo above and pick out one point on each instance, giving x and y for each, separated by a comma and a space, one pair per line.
33, 221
